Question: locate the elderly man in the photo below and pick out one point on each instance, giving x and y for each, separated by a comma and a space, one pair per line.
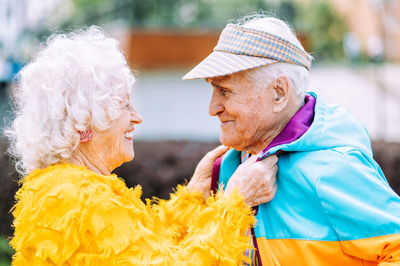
333, 205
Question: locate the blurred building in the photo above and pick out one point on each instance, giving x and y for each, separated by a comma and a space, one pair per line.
12, 23
374, 33
165, 48
376, 23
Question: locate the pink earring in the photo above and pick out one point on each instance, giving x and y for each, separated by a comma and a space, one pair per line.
85, 136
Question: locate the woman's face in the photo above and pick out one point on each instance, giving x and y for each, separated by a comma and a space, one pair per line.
116, 143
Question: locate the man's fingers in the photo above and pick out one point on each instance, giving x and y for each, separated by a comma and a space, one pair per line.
270, 160
265, 197
275, 169
253, 158
258, 155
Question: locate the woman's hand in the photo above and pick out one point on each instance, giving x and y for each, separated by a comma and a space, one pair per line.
256, 181
201, 180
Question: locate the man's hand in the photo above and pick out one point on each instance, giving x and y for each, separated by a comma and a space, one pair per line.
201, 180
256, 181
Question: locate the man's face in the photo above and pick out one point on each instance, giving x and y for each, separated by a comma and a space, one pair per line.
245, 112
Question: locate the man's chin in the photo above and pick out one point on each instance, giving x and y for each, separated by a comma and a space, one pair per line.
230, 142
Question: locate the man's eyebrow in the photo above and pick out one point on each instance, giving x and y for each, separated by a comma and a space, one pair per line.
215, 82
216, 79
217, 85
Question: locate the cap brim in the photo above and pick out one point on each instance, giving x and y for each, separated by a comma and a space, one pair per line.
222, 64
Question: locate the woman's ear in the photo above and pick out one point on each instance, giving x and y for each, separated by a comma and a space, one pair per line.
85, 136
280, 93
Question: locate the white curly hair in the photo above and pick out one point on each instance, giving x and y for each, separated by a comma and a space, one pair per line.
76, 81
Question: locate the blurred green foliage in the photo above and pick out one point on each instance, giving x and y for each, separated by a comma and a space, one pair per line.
319, 26
6, 252
324, 29
165, 13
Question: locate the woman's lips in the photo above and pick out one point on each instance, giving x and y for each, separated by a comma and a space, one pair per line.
129, 135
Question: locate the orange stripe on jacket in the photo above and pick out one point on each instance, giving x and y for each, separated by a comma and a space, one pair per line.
369, 251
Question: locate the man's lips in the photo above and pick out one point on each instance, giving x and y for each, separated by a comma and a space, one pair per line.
226, 122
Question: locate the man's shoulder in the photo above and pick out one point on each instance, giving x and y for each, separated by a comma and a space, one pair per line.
317, 159
320, 163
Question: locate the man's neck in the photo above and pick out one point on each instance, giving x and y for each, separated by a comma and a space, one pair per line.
93, 163
258, 147
283, 121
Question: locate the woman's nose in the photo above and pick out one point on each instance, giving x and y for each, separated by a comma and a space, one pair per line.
135, 116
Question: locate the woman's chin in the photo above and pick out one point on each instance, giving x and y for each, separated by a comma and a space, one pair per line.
130, 159
124, 156
129, 156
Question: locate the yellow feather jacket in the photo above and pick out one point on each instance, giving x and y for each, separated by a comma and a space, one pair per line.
68, 215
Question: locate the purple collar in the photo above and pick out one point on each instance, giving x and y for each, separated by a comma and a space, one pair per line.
297, 126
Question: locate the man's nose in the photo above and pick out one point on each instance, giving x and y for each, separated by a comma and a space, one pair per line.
215, 106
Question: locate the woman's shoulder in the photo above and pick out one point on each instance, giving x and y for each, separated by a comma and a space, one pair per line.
64, 191
68, 175
68, 182
61, 173
64, 204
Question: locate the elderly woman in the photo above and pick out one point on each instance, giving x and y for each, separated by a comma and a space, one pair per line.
74, 125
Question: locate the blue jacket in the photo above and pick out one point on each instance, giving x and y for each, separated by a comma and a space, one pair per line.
333, 205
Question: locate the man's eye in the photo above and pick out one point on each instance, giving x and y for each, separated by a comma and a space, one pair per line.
223, 90
226, 91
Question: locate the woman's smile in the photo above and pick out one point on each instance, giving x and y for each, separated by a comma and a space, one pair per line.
128, 135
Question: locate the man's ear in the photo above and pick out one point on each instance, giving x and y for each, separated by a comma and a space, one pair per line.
280, 90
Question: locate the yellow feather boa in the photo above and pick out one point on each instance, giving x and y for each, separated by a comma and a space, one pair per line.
68, 215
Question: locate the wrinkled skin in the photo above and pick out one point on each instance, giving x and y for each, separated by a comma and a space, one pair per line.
256, 181
110, 148
246, 117
251, 117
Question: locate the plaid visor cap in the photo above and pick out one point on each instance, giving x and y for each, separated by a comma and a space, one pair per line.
241, 48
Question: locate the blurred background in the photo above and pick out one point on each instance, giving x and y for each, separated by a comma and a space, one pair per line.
357, 64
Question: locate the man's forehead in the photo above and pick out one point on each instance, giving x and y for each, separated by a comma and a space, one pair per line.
234, 78
217, 80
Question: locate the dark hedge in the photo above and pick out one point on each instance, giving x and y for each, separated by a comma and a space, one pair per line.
159, 166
